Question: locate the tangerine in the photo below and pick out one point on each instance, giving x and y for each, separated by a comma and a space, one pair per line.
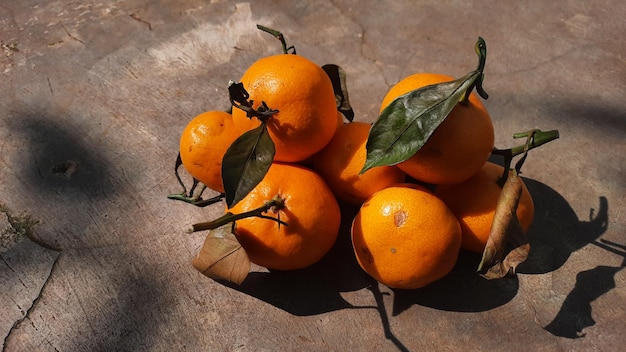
340, 119
302, 93
204, 142
406, 237
474, 204
309, 208
340, 163
461, 144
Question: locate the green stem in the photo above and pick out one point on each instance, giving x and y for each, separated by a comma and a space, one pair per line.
278, 36
197, 200
275, 204
189, 196
534, 139
537, 139
179, 162
481, 50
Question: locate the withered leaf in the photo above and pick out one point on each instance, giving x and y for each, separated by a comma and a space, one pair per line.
507, 246
222, 257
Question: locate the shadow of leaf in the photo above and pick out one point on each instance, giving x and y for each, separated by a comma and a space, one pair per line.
575, 313
555, 234
556, 231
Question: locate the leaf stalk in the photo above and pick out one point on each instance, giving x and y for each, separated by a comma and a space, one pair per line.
481, 50
534, 139
275, 204
278, 35
190, 196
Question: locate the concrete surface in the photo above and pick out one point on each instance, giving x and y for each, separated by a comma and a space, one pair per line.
94, 95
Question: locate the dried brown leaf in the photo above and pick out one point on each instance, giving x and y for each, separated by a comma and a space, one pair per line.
222, 257
507, 246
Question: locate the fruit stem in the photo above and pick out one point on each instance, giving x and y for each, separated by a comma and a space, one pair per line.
481, 50
179, 162
278, 36
197, 200
189, 197
534, 139
239, 99
275, 204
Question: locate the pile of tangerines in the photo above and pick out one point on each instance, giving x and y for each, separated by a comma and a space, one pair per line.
414, 216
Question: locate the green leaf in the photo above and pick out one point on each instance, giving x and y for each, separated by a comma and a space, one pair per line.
405, 125
246, 162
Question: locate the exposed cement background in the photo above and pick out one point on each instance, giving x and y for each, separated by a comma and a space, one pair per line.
102, 90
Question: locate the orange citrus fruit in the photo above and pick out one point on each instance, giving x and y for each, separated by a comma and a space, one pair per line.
303, 95
406, 237
310, 210
340, 119
474, 204
204, 142
308, 162
340, 162
459, 146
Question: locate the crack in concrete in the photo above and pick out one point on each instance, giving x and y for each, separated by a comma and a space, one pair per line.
362, 29
549, 60
19, 322
362, 44
71, 36
136, 17
19, 227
